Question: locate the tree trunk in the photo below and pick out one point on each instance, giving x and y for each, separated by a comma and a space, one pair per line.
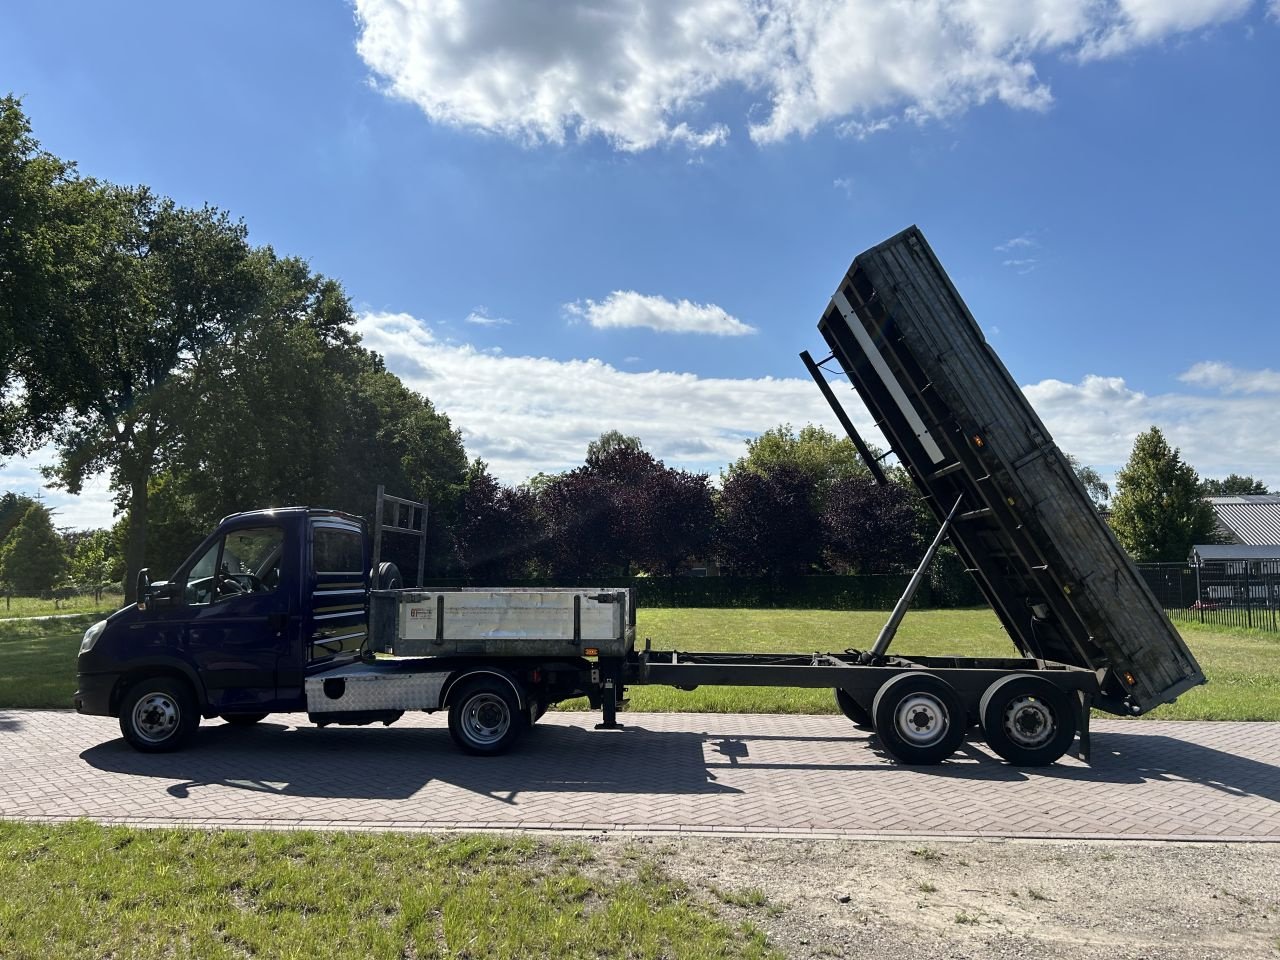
135, 549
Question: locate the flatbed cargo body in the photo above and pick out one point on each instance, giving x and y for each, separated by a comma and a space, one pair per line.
1063, 587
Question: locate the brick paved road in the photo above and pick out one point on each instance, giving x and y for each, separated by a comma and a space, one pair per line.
811, 776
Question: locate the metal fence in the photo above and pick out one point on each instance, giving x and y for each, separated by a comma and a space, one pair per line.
1234, 593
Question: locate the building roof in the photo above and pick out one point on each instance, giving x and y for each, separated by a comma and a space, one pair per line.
1233, 551
1253, 520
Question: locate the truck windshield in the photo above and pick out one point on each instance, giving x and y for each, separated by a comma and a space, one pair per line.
244, 561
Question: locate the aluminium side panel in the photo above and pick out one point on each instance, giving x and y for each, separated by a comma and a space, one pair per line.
1049, 565
505, 621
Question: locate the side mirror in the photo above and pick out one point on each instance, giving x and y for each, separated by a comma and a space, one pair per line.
143, 587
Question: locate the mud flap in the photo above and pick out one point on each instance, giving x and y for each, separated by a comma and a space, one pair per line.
1084, 704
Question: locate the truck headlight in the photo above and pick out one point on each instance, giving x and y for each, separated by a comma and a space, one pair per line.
91, 636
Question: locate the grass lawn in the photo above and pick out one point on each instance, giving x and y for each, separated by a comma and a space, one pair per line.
82, 890
35, 607
1243, 666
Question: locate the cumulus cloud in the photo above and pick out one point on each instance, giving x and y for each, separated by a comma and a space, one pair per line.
526, 414
626, 308
1229, 379
1098, 418
529, 414
643, 72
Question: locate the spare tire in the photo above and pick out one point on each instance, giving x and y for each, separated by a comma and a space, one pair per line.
387, 577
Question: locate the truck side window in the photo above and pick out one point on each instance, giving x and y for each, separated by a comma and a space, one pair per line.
338, 550
242, 562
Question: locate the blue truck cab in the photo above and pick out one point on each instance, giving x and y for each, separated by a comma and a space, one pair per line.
269, 598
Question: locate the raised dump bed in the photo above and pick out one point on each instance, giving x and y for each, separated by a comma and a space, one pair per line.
1062, 586
511, 621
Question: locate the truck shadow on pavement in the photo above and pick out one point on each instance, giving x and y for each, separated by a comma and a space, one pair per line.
1117, 758
9, 724
395, 763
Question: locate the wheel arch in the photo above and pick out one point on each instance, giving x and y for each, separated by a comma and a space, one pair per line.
145, 669
458, 679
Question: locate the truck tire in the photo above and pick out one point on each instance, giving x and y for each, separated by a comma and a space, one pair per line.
853, 710
243, 719
919, 718
485, 717
1027, 720
158, 714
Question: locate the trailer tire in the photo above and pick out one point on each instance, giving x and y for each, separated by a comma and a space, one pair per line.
158, 714
243, 719
853, 710
919, 718
1027, 720
485, 717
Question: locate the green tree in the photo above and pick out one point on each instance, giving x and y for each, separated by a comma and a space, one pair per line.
814, 452
1233, 486
45, 221
1097, 489
31, 558
1158, 512
91, 558
167, 284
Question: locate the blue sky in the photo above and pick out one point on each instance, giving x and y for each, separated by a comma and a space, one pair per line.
557, 218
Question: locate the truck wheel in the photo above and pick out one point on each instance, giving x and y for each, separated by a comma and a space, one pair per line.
919, 718
158, 714
243, 719
485, 718
851, 709
1027, 720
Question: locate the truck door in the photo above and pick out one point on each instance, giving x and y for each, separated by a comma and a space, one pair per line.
336, 622
238, 611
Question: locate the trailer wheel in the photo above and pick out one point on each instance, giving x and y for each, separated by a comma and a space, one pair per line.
158, 714
1027, 720
919, 718
852, 709
485, 717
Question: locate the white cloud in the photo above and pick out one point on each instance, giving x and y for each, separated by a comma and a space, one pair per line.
643, 72
94, 507
526, 414
480, 317
1023, 266
1098, 418
1229, 379
1024, 242
626, 308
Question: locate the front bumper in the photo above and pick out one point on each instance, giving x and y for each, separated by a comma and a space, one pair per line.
93, 693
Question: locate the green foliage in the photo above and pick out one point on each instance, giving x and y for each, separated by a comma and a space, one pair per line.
31, 558
815, 452
41, 229
1097, 489
12, 508
1233, 485
93, 560
1158, 512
